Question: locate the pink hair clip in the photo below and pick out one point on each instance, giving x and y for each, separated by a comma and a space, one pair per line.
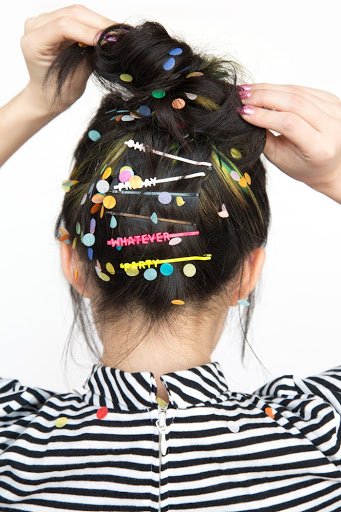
148, 238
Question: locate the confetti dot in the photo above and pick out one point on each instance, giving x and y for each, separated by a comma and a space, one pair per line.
107, 173
94, 135
127, 117
126, 168
158, 93
166, 269
125, 77
175, 240
109, 202
61, 421
88, 239
164, 197
92, 225
245, 180
179, 201
90, 253
235, 175
154, 218
119, 247
97, 198
124, 176
113, 222
136, 181
102, 186
169, 64
150, 274
78, 228
194, 73
81, 44
178, 302
178, 103
74, 243
175, 51
102, 412
243, 302
83, 199
191, 96
235, 153
132, 271
233, 426
110, 267
223, 213
189, 270
103, 276
269, 412
144, 110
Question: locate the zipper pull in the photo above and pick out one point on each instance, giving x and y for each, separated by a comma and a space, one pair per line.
162, 428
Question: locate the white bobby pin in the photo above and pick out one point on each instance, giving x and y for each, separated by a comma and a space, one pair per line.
141, 147
150, 182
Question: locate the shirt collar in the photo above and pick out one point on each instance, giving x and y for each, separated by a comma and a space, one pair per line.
124, 390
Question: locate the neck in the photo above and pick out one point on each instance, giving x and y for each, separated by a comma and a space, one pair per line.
162, 351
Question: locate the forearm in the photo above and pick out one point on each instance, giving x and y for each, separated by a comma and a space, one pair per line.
20, 118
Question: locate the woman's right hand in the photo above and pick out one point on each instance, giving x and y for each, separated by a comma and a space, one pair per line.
308, 120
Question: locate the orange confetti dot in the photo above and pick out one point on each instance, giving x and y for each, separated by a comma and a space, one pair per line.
95, 207
178, 103
269, 412
75, 274
102, 412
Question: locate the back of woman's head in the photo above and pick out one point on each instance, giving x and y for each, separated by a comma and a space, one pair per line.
162, 95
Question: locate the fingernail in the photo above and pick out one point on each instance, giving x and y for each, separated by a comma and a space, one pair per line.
245, 87
244, 94
245, 110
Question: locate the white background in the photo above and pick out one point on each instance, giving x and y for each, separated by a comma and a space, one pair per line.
297, 320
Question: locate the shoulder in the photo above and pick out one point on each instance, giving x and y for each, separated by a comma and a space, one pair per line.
312, 404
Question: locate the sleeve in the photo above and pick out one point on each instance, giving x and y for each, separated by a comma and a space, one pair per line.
315, 405
18, 405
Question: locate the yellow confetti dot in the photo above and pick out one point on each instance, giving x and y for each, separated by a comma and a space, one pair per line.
179, 201
110, 267
61, 422
132, 271
235, 153
125, 168
103, 276
189, 270
125, 77
106, 173
194, 73
136, 181
82, 44
101, 213
74, 243
178, 302
109, 202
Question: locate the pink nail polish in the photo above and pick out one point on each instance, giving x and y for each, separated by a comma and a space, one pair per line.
245, 110
245, 87
244, 94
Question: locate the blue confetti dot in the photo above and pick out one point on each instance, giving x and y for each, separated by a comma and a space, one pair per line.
169, 64
94, 135
90, 253
144, 110
88, 239
166, 269
243, 302
113, 222
118, 247
175, 51
150, 274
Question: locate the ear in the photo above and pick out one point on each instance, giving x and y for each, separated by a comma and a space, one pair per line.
252, 269
71, 268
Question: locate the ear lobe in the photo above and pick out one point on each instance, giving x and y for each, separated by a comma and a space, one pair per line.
252, 269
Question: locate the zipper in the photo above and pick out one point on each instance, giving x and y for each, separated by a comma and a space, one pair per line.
161, 425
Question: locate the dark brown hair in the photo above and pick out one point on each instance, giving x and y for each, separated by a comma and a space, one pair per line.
205, 129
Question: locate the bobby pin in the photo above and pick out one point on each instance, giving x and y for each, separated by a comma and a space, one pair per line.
176, 221
147, 238
141, 147
148, 263
148, 182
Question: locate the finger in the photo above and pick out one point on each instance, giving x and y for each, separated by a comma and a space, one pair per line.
299, 89
79, 12
63, 29
332, 108
291, 102
292, 126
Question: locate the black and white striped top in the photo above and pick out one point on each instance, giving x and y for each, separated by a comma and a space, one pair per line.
114, 448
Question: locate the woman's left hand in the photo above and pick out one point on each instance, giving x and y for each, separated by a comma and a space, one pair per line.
44, 36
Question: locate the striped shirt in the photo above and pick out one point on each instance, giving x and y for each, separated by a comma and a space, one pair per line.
113, 447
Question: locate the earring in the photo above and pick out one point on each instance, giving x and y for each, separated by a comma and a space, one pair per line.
243, 302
